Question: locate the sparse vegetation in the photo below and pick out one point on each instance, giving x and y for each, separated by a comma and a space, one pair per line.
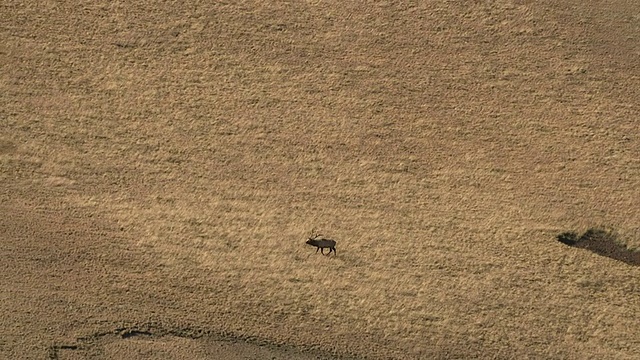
568, 238
162, 162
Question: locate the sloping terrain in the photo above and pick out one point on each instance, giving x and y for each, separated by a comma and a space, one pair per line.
162, 166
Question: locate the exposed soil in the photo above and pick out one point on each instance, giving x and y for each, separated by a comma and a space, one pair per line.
162, 165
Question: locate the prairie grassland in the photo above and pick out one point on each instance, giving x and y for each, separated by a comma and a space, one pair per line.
443, 146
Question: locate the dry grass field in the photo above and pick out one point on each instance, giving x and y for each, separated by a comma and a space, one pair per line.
162, 164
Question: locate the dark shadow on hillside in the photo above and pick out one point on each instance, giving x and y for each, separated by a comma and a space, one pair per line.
169, 342
603, 243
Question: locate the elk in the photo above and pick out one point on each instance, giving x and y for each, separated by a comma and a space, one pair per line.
322, 243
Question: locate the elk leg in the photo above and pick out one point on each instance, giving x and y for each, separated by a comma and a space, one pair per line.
322, 251
317, 249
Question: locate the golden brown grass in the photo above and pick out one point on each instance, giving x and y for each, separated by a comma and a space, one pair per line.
443, 146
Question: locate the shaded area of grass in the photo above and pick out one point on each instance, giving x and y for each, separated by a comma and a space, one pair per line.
175, 341
602, 242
